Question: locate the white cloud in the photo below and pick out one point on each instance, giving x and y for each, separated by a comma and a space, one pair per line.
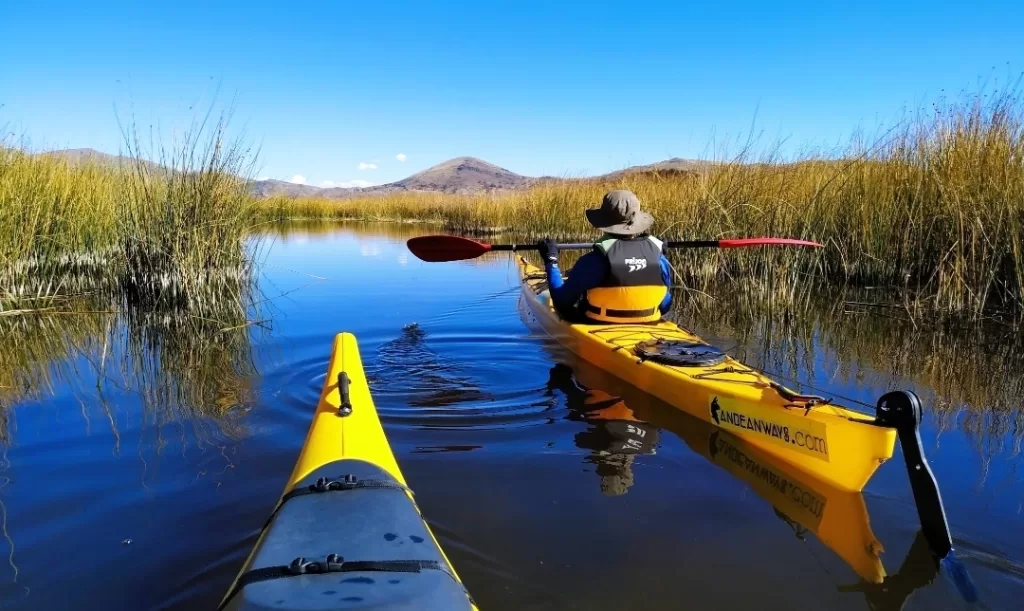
401, 157
263, 178
298, 179
327, 184
367, 166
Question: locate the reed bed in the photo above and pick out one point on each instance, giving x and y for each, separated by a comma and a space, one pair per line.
58, 222
932, 210
970, 379
182, 220
154, 229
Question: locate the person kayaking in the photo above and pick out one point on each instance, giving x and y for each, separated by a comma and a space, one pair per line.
625, 279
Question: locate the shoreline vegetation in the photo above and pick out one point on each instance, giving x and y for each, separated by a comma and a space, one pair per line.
148, 268
930, 215
153, 235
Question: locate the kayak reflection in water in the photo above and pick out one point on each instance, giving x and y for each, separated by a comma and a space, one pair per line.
625, 279
615, 436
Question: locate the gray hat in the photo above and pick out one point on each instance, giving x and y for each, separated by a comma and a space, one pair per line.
620, 214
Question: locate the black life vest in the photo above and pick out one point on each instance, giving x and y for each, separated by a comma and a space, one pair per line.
633, 289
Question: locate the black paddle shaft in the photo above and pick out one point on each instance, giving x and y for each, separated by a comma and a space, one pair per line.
584, 246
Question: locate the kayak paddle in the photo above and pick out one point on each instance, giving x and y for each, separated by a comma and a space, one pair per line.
439, 248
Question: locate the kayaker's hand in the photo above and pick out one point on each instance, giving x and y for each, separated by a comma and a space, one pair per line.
548, 251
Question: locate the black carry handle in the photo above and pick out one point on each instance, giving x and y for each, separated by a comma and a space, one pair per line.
345, 408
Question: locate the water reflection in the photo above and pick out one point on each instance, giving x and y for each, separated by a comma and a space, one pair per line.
192, 366
614, 435
971, 381
175, 430
837, 518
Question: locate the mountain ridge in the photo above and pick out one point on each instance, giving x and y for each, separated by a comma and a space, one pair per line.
460, 175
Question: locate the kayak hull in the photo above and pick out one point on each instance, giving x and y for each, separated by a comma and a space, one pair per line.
836, 445
346, 533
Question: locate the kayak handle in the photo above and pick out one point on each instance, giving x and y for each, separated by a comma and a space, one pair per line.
345, 409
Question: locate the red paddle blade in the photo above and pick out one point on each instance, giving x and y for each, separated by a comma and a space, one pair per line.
439, 248
742, 242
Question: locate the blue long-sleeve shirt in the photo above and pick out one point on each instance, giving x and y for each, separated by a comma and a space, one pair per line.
589, 272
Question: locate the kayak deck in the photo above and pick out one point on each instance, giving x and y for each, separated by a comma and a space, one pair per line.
346, 533
835, 444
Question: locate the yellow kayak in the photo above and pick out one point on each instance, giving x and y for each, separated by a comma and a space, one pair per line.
828, 442
346, 533
839, 518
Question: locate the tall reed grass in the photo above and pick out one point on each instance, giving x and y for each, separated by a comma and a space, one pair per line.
932, 211
182, 220
156, 228
970, 379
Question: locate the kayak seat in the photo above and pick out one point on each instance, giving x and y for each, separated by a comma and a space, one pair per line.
362, 544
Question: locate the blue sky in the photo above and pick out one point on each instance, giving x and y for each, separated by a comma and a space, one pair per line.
536, 87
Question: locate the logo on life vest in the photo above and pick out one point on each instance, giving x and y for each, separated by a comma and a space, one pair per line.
635, 263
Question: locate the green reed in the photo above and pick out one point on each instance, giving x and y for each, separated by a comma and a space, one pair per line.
970, 378
933, 210
155, 228
182, 222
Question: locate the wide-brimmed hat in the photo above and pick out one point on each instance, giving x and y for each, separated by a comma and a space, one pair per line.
620, 214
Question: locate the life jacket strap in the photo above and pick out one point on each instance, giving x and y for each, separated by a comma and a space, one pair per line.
622, 313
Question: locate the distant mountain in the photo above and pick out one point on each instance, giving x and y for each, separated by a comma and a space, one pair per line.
462, 175
83, 156
86, 156
272, 188
674, 165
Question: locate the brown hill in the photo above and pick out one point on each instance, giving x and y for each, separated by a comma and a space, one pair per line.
674, 165
87, 155
465, 175
274, 188
462, 175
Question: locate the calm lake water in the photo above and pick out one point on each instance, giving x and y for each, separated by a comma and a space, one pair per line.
138, 473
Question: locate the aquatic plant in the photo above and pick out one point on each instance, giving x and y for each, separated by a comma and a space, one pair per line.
932, 209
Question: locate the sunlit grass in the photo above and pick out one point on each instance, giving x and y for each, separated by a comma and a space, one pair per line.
970, 379
181, 224
933, 210
155, 229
